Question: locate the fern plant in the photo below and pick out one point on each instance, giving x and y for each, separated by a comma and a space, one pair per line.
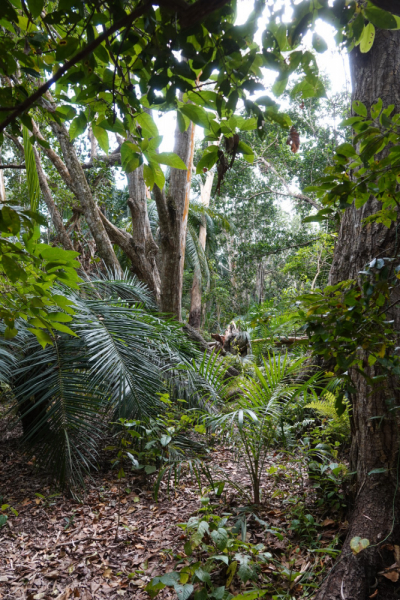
336, 428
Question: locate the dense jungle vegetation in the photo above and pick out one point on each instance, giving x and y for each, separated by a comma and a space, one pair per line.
199, 277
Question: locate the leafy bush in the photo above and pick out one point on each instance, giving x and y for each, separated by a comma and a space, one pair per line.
217, 559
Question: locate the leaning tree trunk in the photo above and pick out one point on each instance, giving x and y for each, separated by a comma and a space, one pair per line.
375, 429
195, 299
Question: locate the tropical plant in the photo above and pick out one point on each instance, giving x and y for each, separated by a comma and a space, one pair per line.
253, 417
120, 357
217, 559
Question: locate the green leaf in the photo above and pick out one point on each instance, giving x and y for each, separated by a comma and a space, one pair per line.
359, 108
377, 471
9, 220
171, 159
78, 126
101, 136
367, 38
149, 469
148, 176
380, 18
220, 538
35, 7
3, 520
319, 44
153, 588
183, 592
357, 544
376, 109
346, 149
170, 578
131, 157
159, 178
197, 114
253, 595
247, 152
246, 124
42, 337
149, 128
12, 269
165, 440
279, 85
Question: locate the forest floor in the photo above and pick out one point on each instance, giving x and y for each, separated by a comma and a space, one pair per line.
59, 548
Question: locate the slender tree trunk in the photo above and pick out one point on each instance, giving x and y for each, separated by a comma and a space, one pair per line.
143, 247
195, 301
375, 428
81, 190
51, 205
173, 209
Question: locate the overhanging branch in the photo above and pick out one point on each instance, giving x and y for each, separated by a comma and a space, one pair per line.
187, 15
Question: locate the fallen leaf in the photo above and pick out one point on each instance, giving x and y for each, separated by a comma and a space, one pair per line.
327, 522
107, 573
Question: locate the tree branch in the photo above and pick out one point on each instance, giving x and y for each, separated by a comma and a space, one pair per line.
290, 193
187, 15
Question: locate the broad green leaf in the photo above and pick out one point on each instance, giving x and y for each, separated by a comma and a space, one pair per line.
171, 159
131, 157
220, 538
63, 328
12, 269
346, 149
380, 18
246, 124
376, 109
159, 178
170, 578
367, 38
165, 440
359, 108
147, 124
280, 85
148, 176
319, 44
197, 114
149, 469
357, 544
35, 7
78, 126
183, 592
153, 588
9, 220
247, 152
101, 136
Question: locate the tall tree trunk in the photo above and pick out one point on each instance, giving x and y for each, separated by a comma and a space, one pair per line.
195, 300
143, 247
375, 428
173, 209
51, 205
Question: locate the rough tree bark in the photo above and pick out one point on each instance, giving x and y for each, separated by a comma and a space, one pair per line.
173, 209
375, 429
195, 300
51, 205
